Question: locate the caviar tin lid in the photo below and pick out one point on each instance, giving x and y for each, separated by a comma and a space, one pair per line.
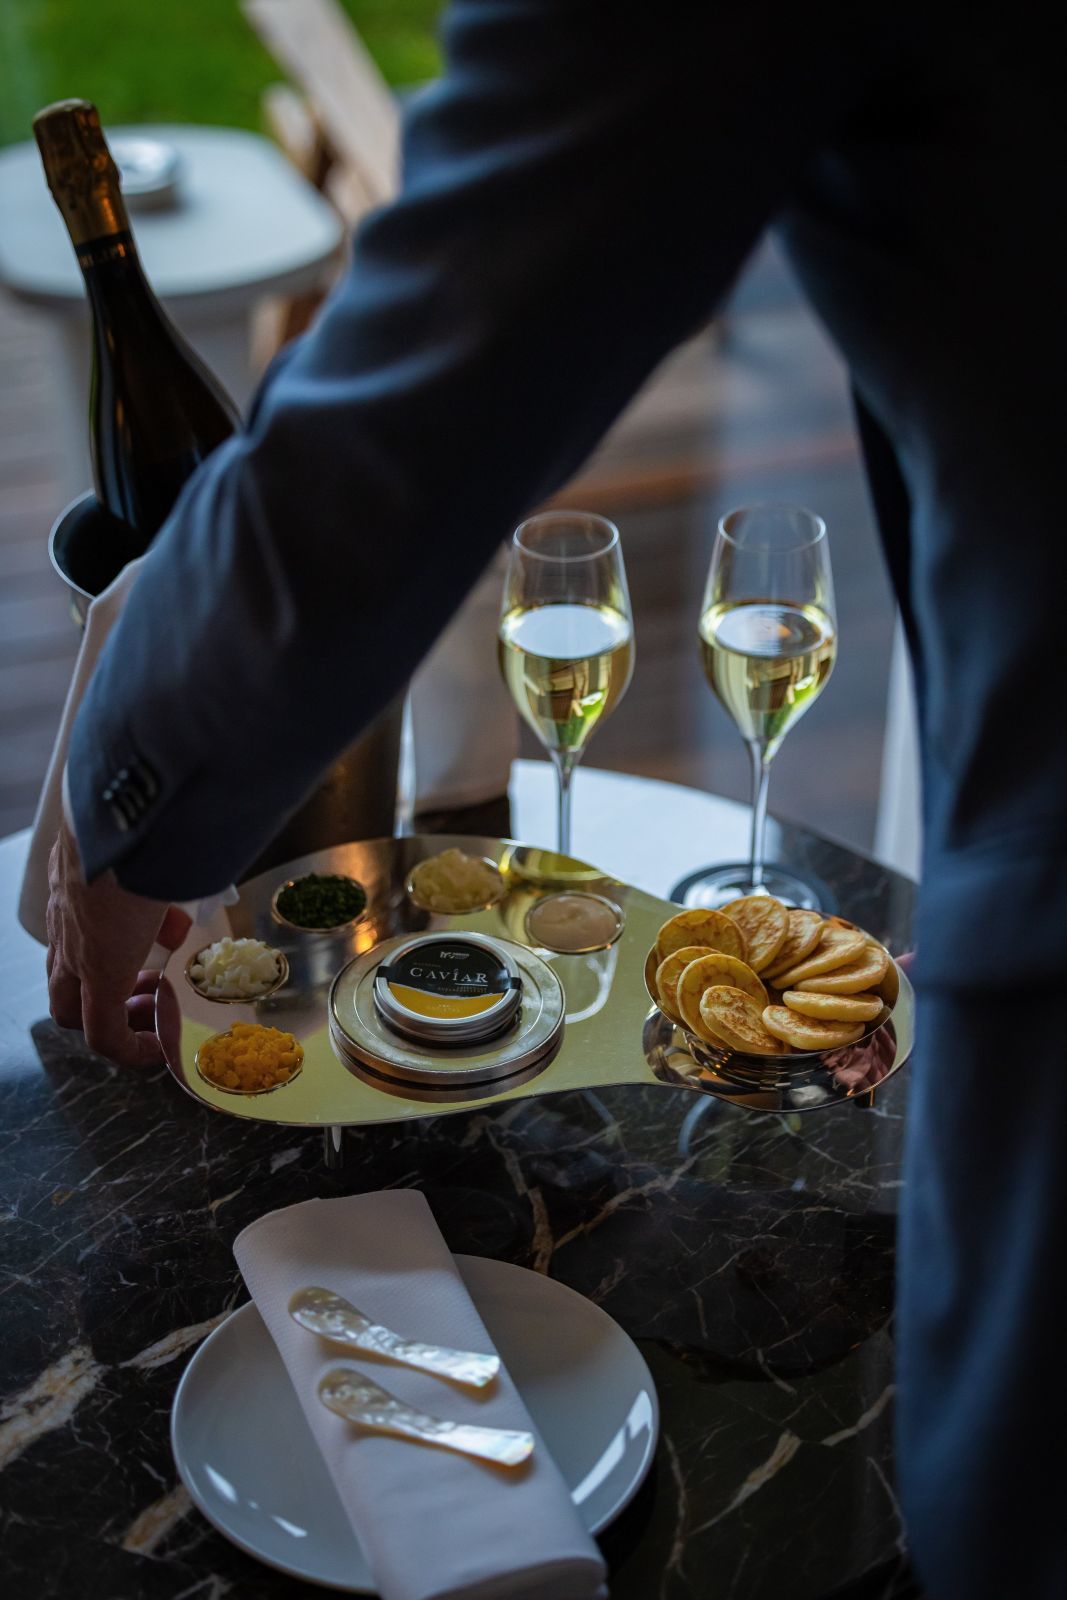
446, 1010
448, 988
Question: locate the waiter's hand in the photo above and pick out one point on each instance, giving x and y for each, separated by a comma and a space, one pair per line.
99, 937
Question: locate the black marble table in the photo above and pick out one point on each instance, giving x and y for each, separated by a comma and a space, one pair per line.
750, 1256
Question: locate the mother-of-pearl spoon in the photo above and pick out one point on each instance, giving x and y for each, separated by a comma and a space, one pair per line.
333, 1317
355, 1397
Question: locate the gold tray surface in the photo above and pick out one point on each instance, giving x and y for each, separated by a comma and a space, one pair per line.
613, 1035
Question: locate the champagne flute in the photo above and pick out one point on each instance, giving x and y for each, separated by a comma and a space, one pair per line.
768, 639
566, 635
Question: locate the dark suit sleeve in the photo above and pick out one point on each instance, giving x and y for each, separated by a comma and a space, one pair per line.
579, 189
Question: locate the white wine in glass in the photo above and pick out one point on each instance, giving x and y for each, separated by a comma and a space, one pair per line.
768, 640
767, 662
566, 635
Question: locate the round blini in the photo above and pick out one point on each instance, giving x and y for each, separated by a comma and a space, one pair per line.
808, 1033
667, 974
709, 929
802, 935
834, 1007
764, 921
851, 979
836, 948
738, 1021
705, 973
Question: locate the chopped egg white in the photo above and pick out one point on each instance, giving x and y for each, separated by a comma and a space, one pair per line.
235, 969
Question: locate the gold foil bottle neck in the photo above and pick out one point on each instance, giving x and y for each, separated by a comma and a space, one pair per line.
80, 170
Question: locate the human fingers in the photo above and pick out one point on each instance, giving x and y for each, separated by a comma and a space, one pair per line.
64, 996
106, 1025
141, 1006
51, 922
175, 925
141, 1013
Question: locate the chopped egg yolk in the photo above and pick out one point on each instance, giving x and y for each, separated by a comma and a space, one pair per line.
250, 1058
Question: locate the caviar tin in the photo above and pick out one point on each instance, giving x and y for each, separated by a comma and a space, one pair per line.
449, 988
376, 1023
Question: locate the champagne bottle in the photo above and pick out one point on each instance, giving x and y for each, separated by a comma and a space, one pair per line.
155, 411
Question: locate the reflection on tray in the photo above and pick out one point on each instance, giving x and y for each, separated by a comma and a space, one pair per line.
586, 980
770, 1083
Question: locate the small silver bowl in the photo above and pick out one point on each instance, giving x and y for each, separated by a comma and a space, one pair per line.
530, 921
238, 1000
336, 929
465, 911
248, 1094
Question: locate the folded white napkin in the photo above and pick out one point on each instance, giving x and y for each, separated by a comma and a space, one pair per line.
432, 1524
104, 611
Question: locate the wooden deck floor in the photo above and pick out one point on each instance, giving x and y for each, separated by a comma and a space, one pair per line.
37, 639
757, 410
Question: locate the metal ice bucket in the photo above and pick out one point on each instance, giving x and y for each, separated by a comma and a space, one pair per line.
82, 548
356, 798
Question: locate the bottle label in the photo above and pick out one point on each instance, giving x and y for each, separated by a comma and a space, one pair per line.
448, 977
114, 247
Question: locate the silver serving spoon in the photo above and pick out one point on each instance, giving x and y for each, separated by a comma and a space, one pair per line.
332, 1317
355, 1397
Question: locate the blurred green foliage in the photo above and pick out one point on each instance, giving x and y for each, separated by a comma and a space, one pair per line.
175, 60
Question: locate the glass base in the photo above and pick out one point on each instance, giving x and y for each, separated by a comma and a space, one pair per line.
713, 887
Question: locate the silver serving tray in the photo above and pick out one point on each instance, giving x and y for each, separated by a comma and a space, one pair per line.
612, 1033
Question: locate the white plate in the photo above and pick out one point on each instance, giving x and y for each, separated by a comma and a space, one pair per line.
246, 1455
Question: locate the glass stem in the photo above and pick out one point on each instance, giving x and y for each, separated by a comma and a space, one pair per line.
761, 773
564, 762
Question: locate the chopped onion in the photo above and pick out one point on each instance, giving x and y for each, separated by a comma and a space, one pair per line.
235, 969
